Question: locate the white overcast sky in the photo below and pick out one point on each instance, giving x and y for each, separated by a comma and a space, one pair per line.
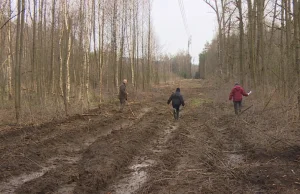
169, 27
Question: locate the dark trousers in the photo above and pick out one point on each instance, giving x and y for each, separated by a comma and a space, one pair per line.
122, 104
176, 111
237, 106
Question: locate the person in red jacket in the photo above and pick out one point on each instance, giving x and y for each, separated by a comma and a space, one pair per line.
236, 95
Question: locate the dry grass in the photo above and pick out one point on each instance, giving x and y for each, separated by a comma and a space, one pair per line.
34, 113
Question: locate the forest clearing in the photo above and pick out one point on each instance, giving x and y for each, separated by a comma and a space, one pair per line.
208, 150
85, 91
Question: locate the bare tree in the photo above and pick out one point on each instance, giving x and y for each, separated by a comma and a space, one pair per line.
10, 56
19, 49
66, 60
241, 42
148, 71
296, 21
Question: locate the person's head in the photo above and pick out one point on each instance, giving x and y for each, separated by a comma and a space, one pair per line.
124, 81
177, 89
236, 84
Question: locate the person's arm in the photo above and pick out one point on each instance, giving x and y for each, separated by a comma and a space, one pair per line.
244, 93
182, 101
170, 99
231, 94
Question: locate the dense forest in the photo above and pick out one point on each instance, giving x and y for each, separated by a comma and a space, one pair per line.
77, 52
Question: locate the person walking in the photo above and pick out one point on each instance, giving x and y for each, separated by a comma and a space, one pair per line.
236, 95
123, 95
177, 101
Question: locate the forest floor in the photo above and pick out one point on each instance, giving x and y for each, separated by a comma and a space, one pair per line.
209, 150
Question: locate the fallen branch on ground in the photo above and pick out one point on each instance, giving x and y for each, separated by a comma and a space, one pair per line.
89, 115
245, 110
131, 110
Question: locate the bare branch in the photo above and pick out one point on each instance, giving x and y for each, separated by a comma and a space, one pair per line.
11, 18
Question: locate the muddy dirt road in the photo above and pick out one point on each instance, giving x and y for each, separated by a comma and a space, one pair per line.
209, 150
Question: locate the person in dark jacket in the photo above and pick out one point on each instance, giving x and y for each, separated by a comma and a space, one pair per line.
123, 95
177, 101
236, 95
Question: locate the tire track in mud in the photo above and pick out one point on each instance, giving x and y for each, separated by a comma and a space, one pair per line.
130, 183
173, 161
109, 157
172, 158
62, 162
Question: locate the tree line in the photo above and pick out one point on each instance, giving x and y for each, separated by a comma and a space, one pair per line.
257, 43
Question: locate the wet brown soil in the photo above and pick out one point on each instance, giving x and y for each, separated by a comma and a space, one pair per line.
209, 150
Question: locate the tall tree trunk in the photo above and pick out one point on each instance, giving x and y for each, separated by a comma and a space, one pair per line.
260, 43
102, 52
66, 64
114, 45
241, 48
137, 63
143, 53
297, 49
52, 72
9, 62
289, 50
19, 50
93, 26
87, 81
39, 69
33, 64
270, 45
122, 41
149, 47
133, 47
282, 53
251, 40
